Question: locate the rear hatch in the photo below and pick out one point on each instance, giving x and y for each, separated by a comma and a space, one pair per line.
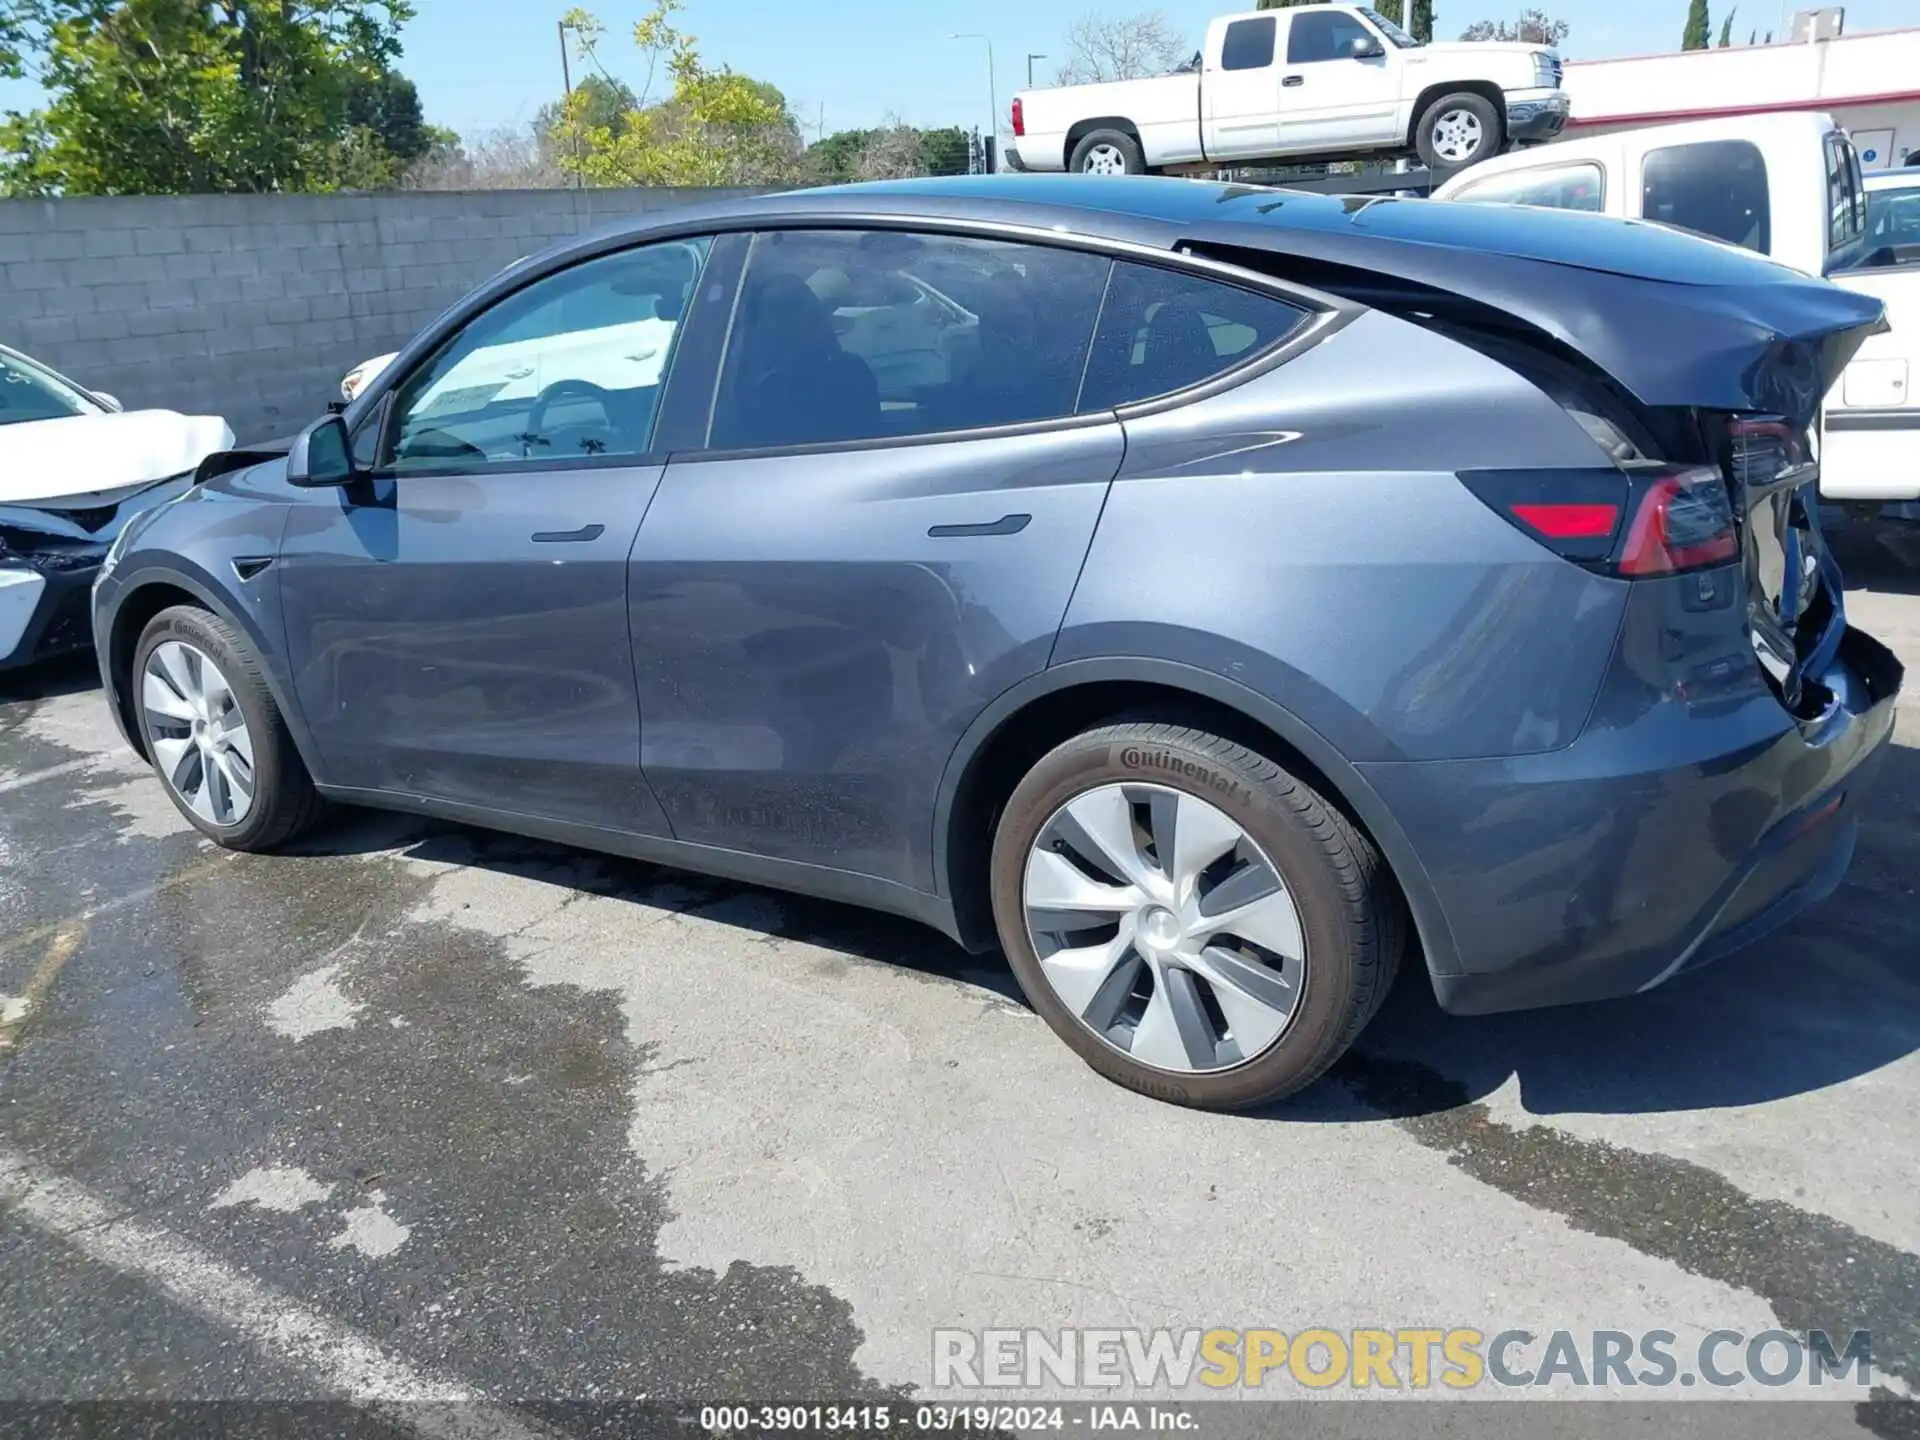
1694, 356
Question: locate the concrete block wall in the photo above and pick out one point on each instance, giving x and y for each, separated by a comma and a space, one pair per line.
254, 306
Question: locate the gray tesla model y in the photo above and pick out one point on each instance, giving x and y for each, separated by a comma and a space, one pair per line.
1204, 593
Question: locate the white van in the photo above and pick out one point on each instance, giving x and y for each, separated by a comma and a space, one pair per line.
1790, 187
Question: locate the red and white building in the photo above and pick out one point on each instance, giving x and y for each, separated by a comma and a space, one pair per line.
1869, 83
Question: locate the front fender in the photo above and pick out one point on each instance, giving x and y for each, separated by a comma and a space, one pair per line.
248, 607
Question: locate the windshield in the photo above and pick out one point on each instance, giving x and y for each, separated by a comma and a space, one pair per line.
1392, 31
28, 392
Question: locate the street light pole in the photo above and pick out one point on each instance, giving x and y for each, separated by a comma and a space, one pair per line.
993, 94
1031, 57
566, 79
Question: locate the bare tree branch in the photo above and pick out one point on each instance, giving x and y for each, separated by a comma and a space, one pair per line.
1102, 48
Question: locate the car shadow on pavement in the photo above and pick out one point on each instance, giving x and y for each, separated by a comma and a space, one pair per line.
847, 929
1883, 556
50, 679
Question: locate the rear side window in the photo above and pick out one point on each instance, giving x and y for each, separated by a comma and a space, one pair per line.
1323, 35
845, 335
1248, 45
1716, 188
1846, 197
1162, 331
1557, 187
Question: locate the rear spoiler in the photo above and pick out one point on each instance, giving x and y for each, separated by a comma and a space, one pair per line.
1772, 346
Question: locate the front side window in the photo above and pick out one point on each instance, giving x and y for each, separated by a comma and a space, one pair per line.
1556, 187
1716, 188
1161, 331
846, 335
570, 368
28, 392
1317, 35
1893, 228
1248, 44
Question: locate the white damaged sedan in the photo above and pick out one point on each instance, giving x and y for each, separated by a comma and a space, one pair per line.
74, 468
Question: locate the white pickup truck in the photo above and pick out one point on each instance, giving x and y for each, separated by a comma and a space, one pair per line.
1316, 82
1790, 187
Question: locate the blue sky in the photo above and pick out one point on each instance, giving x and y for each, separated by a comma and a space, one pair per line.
487, 63
493, 62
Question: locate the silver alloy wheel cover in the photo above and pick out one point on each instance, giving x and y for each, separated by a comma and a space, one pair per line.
1103, 160
196, 733
1164, 928
1457, 135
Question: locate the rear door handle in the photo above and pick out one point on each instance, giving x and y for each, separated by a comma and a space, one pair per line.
1293, 80
563, 537
1005, 525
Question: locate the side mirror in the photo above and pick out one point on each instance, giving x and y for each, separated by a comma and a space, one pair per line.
112, 402
322, 455
1364, 47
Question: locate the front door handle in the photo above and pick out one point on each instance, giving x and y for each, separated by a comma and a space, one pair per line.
1293, 80
563, 537
1005, 525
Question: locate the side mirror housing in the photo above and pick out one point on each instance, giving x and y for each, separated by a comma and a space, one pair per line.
1364, 47
322, 455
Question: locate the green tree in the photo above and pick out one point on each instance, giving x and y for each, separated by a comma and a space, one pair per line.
835, 160
1394, 10
603, 101
1420, 20
1699, 31
944, 151
1287, 4
1726, 30
168, 97
715, 127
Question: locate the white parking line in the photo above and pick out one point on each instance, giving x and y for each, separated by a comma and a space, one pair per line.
339, 1358
34, 777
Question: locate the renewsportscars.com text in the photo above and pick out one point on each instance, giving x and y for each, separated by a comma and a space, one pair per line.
1459, 1358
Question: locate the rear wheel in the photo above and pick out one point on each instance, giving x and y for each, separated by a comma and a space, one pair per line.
213, 733
1108, 152
1195, 922
1457, 131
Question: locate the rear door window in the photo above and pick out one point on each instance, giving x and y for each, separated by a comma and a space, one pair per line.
1716, 188
1248, 45
1556, 187
850, 335
1162, 331
1846, 200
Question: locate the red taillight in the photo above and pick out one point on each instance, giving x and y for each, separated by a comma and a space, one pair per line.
1019, 117
1684, 521
1568, 521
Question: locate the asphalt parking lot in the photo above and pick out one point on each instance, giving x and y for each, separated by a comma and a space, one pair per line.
426, 1113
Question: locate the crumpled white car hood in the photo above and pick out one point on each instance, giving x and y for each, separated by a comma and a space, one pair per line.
85, 459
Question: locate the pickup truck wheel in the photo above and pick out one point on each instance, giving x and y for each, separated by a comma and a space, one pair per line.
1457, 131
1108, 152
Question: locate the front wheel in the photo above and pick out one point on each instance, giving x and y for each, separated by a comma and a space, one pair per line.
1108, 152
1195, 922
1457, 131
214, 734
